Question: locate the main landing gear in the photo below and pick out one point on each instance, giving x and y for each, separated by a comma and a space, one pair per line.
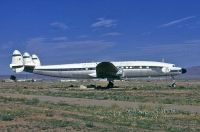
110, 84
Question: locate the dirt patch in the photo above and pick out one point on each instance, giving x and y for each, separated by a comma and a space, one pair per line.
104, 103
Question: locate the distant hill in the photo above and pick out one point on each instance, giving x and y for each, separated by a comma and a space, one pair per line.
28, 76
192, 73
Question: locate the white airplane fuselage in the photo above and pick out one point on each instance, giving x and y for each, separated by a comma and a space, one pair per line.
129, 69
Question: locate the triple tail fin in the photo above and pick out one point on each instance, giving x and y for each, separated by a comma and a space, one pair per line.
24, 63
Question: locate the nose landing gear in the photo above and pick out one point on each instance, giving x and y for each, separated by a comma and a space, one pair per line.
173, 85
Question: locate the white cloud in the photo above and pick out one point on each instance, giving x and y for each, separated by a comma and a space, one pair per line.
146, 33
59, 25
83, 36
178, 53
195, 41
102, 22
112, 34
7, 45
176, 21
68, 51
60, 38
65, 47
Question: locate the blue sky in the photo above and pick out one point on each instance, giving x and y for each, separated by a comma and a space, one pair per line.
68, 31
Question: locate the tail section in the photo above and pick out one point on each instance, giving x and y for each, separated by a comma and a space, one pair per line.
36, 60
28, 62
17, 64
25, 63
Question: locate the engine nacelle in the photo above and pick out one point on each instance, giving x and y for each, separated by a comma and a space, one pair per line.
165, 70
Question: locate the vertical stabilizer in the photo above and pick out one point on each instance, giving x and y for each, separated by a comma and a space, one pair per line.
28, 62
36, 60
17, 64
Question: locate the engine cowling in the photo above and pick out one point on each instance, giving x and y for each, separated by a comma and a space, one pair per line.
165, 70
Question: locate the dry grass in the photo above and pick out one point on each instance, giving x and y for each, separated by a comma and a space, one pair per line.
25, 114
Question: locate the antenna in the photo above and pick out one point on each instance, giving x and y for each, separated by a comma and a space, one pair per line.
163, 59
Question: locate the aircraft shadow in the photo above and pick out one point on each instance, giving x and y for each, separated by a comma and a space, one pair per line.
100, 87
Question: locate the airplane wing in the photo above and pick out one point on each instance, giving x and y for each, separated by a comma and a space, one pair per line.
107, 70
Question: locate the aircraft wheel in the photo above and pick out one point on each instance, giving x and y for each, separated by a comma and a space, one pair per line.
110, 85
173, 85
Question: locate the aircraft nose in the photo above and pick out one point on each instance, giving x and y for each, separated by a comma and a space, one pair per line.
183, 70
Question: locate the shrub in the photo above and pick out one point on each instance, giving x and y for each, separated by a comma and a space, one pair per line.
89, 124
33, 101
6, 117
54, 123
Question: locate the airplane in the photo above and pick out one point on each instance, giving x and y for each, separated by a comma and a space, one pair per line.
111, 71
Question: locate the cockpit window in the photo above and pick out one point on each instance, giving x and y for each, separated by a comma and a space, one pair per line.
173, 65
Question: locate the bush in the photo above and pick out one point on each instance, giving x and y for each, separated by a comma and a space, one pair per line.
33, 101
56, 123
89, 124
6, 117
49, 113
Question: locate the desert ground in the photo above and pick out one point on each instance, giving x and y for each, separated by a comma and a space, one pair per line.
136, 105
